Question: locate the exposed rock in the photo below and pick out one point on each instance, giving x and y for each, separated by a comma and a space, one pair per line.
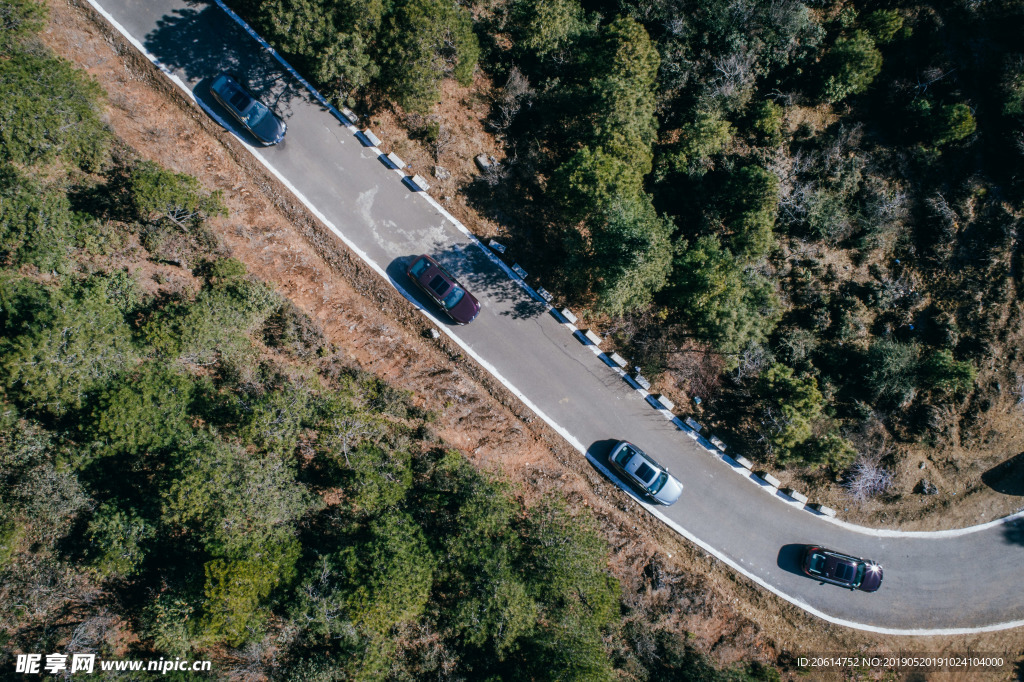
442, 173
924, 487
483, 161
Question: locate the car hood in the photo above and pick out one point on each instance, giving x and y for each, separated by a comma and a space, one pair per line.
466, 310
269, 128
670, 492
872, 579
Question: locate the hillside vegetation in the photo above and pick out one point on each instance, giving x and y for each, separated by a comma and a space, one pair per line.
807, 213
192, 471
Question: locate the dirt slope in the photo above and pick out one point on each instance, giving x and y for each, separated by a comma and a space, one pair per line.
668, 580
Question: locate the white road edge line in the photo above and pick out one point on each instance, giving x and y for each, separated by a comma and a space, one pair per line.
656, 511
529, 404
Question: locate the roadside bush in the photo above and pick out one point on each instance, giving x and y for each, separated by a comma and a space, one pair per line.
794, 404
36, 224
830, 450
49, 110
632, 251
118, 541
330, 41
158, 194
850, 66
725, 304
65, 348
422, 42
942, 373
890, 372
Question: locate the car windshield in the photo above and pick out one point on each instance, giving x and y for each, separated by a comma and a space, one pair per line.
624, 455
257, 112
860, 576
453, 298
660, 483
419, 267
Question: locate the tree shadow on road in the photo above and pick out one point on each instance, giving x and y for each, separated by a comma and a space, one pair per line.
483, 277
1013, 532
203, 41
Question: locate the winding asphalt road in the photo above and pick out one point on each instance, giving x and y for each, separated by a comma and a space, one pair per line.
935, 583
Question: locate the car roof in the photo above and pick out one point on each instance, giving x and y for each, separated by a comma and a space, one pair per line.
642, 467
228, 87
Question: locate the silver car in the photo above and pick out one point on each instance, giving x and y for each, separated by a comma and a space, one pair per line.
250, 112
641, 470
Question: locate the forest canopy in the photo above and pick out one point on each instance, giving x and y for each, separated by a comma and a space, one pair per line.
821, 185
196, 471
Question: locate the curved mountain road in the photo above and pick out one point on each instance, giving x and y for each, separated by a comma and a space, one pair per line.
935, 583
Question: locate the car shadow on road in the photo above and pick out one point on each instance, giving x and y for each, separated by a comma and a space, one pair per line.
600, 449
1007, 477
597, 455
482, 277
205, 98
791, 558
396, 273
203, 41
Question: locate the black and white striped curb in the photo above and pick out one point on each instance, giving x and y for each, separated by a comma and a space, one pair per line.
691, 428
517, 273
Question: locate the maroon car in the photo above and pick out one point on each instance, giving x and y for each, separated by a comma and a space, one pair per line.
444, 289
842, 569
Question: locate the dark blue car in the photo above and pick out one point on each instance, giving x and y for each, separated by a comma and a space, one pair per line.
842, 569
250, 112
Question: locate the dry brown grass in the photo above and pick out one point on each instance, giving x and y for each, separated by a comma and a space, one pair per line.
377, 330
